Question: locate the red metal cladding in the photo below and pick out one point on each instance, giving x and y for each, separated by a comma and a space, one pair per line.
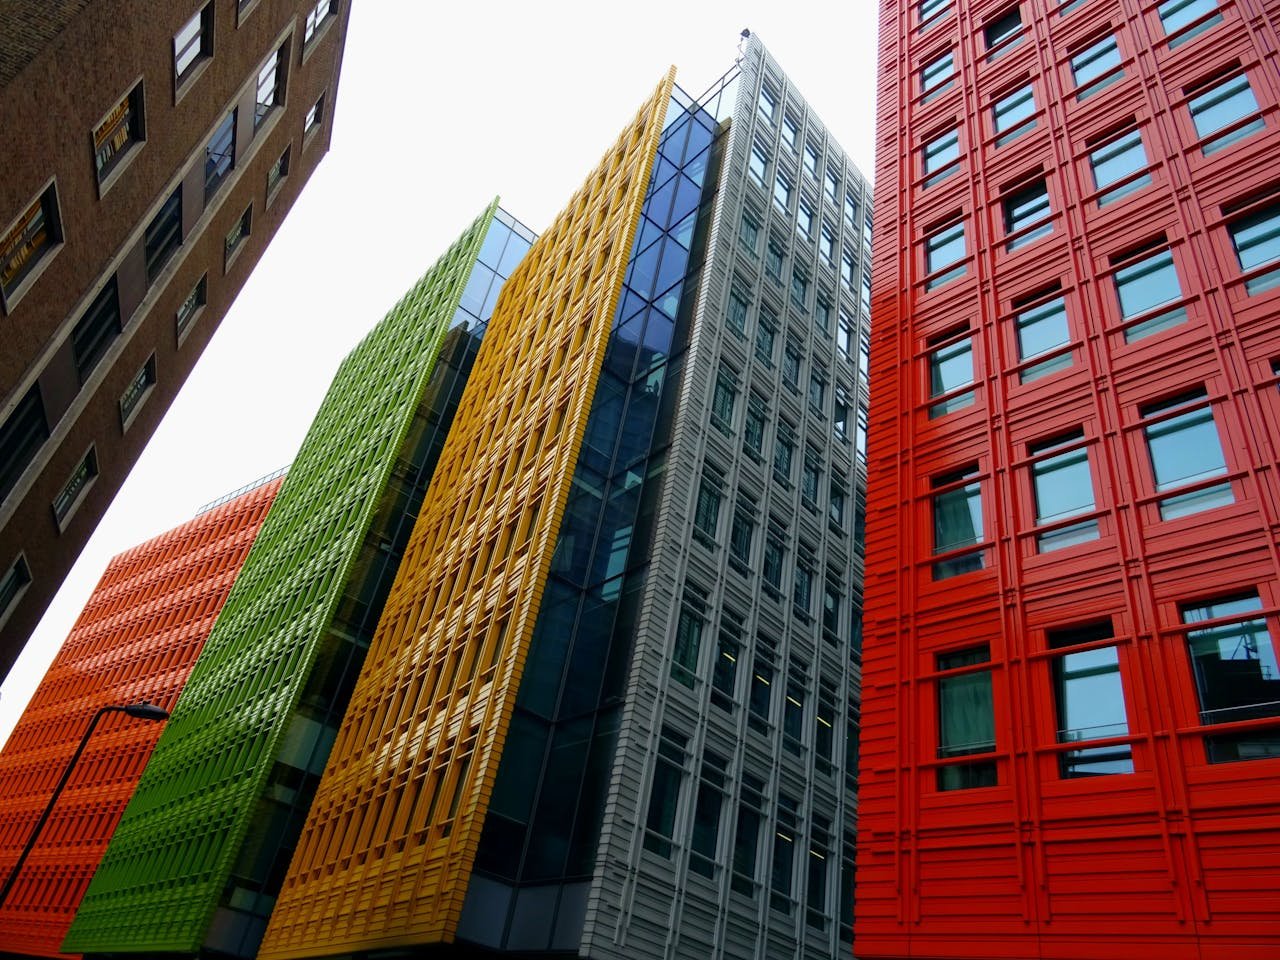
137, 639
1071, 701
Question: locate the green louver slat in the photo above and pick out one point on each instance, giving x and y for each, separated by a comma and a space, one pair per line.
169, 860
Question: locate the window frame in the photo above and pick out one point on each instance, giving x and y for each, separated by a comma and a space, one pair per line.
957, 557
1129, 271
1212, 93
18, 235
127, 116
1027, 213
1003, 131
940, 350
205, 40
931, 91
1109, 149
1263, 275
1085, 60
1192, 493
935, 242
1073, 524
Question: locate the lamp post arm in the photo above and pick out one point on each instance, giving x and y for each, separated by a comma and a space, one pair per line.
44, 817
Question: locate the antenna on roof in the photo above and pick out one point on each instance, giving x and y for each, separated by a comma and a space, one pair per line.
743, 38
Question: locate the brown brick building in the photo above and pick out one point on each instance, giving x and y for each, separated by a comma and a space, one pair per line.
150, 149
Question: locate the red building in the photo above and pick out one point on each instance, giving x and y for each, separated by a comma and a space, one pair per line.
1071, 699
137, 639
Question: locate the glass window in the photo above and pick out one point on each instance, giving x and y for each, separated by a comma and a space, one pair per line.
237, 234
1144, 286
193, 43
767, 104
1027, 215
314, 117
1096, 66
722, 400
860, 435
11, 585
96, 330
844, 334
811, 159
791, 364
793, 707
76, 486
1236, 674
196, 299
688, 639
810, 474
1005, 27
1042, 329
966, 720
799, 288
317, 17
938, 76
163, 235
118, 133
932, 11
864, 356
139, 387
789, 131
846, 270
1115, 163
774, 556
816, 885
804, 218
746, 836
724, 673
1089, 698
817, 391
737, 314
831, 185
664, 792
759, 700
1014, 114
802, 587
753, 429
944, 255
840, 420
1062, 486
219, 155
826, 243
782, 190
957, 522
784, 449
1256, 239
758, 163
1176, 15
835, 507
279, 170
1219, 113
707, 810
23, 433
773, 261
765, 339
749, 234
941, 157
270, 87
741, 534
950, 370
37, 234
1182, 442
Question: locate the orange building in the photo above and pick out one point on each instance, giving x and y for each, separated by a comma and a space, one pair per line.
137, 639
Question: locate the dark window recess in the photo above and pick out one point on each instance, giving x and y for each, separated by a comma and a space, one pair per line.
20, 437
270, 86
196, 299
164, 235
116, 135
17, 577
315, 116
137, 389
236, 235
219, 155
96, 330
29, 241
76, 485
279, 170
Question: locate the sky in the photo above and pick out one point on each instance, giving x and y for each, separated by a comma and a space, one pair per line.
440, 107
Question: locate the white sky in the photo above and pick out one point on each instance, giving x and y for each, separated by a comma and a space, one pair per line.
442, 104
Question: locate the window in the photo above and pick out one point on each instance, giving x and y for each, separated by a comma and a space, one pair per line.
799, 288
840, 421
846, 269
844, 334
1116, 165
1062, 487
1182, 442
864, 294
1003, 29
1221, 113
21, 436
758, 163
219, 155
938, 76
940, 157
76, 487
850, 208
314, 117
722, 400
804, 218
96, 330
822, 312
1027, 215
817, 391
688, 639
191, 306
944, 253
793, 708
706, 815
139, 388
824, 728
1042, 331
951, 370
774, 556
827, 243
753, 428
773, 261
1143, 287
193, 44
270, 86
966, 719
810, 474
759, 700
784, 449
317, 18
164, 235
1177, 16
860, 435
118, 133
279, 170
789, 132
930, 12
749, 234
746, 836
782, 190
1014, 114
1089, 698
864, 355
767, 104
28, 244
835, 505
811, 159
791, 364
1237, 677
957, 522
831, 185
802, 587
706, 511
765, 338
1070, 6
737, 315
741, 533
724, 674
12, 584
664, 792
816, 884
1256, 239
1096, 66
235, 236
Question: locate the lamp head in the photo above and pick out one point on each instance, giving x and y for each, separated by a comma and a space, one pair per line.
146, 711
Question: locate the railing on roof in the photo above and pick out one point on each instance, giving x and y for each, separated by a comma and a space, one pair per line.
240, 491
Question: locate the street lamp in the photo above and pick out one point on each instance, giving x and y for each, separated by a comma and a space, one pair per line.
141, 711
